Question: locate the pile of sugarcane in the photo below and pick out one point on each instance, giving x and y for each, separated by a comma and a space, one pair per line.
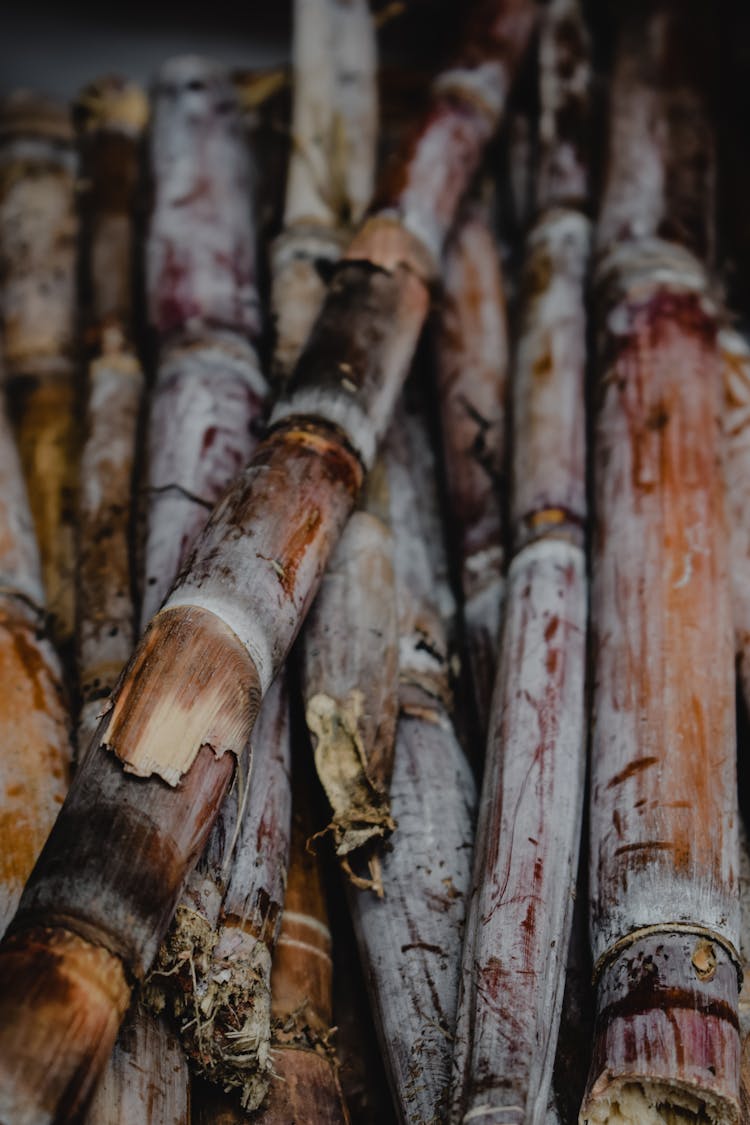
298, 524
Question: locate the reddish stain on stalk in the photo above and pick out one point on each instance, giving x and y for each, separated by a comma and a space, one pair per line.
35, 667
664, 570
630, 770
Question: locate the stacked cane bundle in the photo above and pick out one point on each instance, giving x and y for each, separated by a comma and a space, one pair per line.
419, 506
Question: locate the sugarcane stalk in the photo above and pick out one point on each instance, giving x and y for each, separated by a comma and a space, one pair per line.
35, 762
204, 310
146, 1077
576, 1033
213, 970
526, 855
38, 230
350, 637
350, 684
410, 940
110, 118
471, 368
305, 1084
664, 921
331, 163
111, 874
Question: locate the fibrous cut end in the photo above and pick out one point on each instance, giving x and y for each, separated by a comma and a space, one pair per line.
191, 683
218, 985
654, 1103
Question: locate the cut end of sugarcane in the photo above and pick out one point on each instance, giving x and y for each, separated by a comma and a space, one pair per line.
217, 983
191, 683
667, 1046
361, 809
181, 966
631, 1102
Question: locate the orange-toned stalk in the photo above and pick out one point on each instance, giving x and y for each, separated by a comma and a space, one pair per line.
146, 1078
38, 229
305, 1085
109, 879
526, 855
664, 860
35, 758
471, 368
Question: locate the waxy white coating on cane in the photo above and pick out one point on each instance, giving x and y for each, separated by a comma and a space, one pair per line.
200, 259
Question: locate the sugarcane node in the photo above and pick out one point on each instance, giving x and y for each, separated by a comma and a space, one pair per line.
326, 440
653, 990
382, 242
